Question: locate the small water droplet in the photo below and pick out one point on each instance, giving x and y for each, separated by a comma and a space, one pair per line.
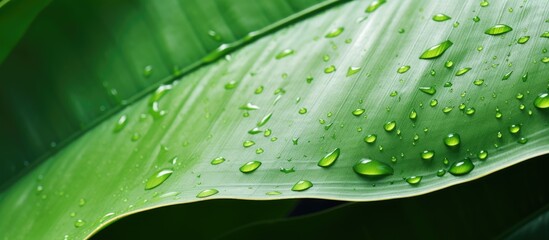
542, 101
330, 69
248, 143
427, 154
447, 109
371, 138
455, 25
249, 106
335, 32
147, 71
523, 39
121, 123
476, 19
413, 115
441, 17
284, 53
273, 193
352, 71
484, 3
214, 35
441, 172
81, 202
309, 79
231, 85
359, 111
414, 180
259, 151
470, 111
329, 159
545, 60
507, 75
158, 178
462, 71
448, 64
461, 167
498, 29
250, 166
207, 193
428, 90
302, 185
524, 77
482, 155
437, 50
79, 223
302, 110
433, 72
267, 132
287, 170
264, 120
403, 69
372, 168
514, 129
523, 140
374, 5
254, 131
259, 90
452, 140
389, 126
217, 160
433, 103
478, 82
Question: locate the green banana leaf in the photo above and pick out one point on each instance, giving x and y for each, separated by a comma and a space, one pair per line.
326, 84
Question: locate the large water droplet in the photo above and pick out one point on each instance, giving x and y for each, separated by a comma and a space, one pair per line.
284, 53
389, 126
498, 29
207, 193
329, 159
452, 140
461, 167
374, 5
441, 17
158, 178
302, 185
372, 168
542, 101
250, 166
428, 90
335, 32
545, 35
217, 160
437, 50
414, 180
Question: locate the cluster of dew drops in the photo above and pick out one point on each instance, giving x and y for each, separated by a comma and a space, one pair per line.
364, 167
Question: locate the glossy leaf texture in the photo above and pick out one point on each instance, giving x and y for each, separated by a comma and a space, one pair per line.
305, 106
